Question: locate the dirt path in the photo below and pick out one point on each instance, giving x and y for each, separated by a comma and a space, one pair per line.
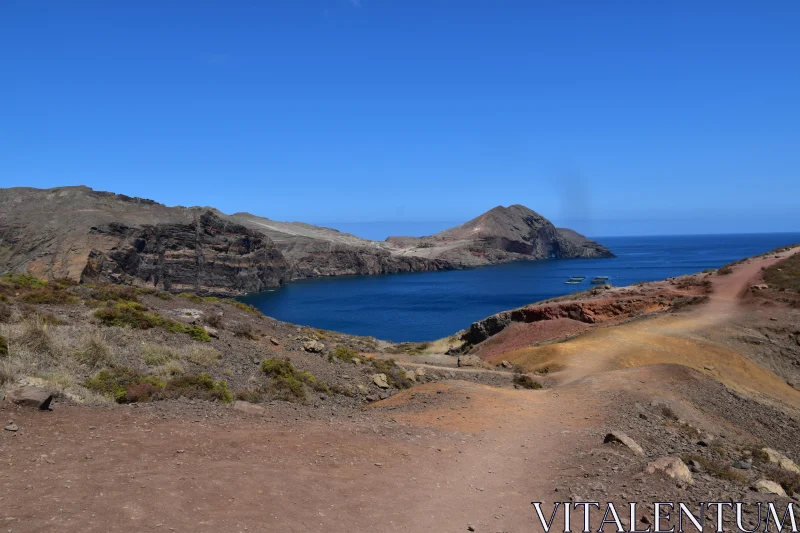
436, 458
671, 338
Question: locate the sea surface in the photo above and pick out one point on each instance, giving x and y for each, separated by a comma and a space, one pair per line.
431, 305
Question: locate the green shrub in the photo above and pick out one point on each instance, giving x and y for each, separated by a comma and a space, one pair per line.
25, 281
200, 386
114, 383
134, 315
114, 293
343, 353
288, 382
53, 296
3, 346
395, 377
725, 271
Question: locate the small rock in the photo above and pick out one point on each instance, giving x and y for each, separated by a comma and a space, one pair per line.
506, 364
372, 397
769, 487
31, 397
709, 367
469, 360
781, 460
742, 465
249, 408
313, 346
673, 467
212, 332
12, 427
274, 341
420, 372
622, 438
470, 528
380, 381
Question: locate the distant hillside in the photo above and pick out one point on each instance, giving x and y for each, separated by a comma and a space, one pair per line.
87, 235
503, 234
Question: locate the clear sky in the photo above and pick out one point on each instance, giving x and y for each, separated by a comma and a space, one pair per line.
614, 118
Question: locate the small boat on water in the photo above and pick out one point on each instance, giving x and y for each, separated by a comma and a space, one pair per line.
573, 282
599, 280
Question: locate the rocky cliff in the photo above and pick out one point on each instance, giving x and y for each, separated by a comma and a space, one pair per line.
78, 233
207, 255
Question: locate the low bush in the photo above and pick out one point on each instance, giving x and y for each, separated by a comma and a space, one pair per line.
252, 395
36, 337
125, 385
200, 386
343, 353
114, 293
526, 382
245, 331
52, 296
790, 481
134, 315
717, 469
3, 346
114, 383
289, 383
5, 313
23, 281
394, 375
725, 271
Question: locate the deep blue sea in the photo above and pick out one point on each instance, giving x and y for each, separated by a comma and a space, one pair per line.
432, 305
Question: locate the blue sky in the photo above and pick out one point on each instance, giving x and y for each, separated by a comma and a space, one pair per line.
615, 118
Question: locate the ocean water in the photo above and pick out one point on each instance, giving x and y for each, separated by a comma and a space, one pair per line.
432, 305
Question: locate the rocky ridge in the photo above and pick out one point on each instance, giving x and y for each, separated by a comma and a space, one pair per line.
85, 235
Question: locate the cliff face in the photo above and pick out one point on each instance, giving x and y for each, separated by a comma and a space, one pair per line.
207, 255
78, 233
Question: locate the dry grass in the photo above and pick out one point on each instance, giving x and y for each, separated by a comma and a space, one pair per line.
157, 354
202, 355
93, 350
784, 275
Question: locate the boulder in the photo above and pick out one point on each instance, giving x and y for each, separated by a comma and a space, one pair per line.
671, 466
769, 487
506, 364
420, 372
249, 408
313, 346
759, 287
469, 360
36, 397
380, 380
781, 460
622, 438
212, 332
274, 341
12, 427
